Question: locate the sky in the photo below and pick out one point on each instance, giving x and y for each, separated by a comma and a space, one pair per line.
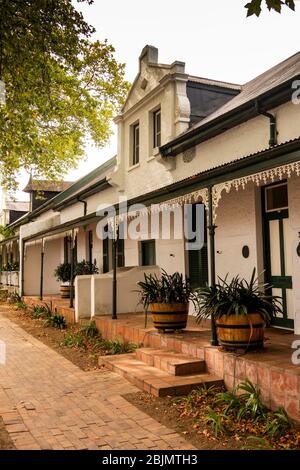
214, 39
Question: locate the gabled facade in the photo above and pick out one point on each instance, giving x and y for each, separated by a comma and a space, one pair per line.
163, 103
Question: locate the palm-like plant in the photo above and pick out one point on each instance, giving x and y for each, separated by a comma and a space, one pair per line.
238, 297
168, 289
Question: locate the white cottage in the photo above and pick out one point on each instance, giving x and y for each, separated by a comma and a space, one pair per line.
184, 139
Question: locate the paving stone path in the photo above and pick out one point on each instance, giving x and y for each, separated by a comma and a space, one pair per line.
49, 403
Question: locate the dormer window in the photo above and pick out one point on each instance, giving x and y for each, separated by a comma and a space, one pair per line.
135, 158
157, 128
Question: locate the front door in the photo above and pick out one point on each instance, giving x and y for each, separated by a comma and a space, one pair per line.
277, 249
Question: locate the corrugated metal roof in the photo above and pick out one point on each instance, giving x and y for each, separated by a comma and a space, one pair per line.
268, 80
45, 185
236, 160
218, 83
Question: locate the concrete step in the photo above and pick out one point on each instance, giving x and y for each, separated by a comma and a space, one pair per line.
173, 362
155, 381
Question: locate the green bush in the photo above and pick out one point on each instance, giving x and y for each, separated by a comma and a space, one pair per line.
14, 298
63, 272
250, 401
57, 321
278, 423
215, 420
85, 267
11, 266
40, 311
117, 347
90, 330
237, 297
72, 339
167, 289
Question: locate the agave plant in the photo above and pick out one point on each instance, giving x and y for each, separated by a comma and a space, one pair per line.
168, 289
238, 297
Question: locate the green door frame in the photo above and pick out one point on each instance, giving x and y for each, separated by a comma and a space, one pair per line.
282, 282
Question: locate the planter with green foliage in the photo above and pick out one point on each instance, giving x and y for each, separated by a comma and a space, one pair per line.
85, 268
11, 266
63, 274
167, 298
240, 309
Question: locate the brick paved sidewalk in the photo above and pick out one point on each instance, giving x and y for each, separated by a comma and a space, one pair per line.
49, 403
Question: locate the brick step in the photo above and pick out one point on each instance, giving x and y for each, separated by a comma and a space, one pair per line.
155, 381
173, 362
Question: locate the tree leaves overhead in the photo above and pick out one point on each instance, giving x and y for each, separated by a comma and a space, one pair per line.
61, 88
255, 6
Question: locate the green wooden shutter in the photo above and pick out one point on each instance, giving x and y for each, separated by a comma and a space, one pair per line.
148, 253
198, 259
120, 253
105, 255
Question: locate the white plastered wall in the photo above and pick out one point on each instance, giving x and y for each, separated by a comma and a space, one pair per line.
32, 269
52, 258
169, 252
238, 224
294, 219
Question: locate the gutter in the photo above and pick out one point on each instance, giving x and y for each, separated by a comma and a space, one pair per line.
95, 188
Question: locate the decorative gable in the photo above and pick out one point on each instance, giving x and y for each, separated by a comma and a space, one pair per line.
149, 76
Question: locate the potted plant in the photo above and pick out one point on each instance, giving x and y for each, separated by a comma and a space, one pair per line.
240, 309
63, 274
85, 267
167, 298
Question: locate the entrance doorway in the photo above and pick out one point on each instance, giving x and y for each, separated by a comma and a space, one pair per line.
277, 249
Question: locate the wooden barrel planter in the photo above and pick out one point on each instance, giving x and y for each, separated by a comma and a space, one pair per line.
65, 291
169, 316
242, 331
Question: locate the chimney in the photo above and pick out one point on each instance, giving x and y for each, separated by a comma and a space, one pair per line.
149, 54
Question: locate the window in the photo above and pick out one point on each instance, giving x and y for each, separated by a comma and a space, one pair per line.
68, 250
156, 128
148, 253
276, 197
135, 144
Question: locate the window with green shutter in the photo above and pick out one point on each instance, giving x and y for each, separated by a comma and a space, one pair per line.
198, 259
148, 257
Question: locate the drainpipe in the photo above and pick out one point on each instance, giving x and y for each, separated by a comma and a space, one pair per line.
84, 205
72, 272
114, 286
273, 127
211, 230
42, 272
